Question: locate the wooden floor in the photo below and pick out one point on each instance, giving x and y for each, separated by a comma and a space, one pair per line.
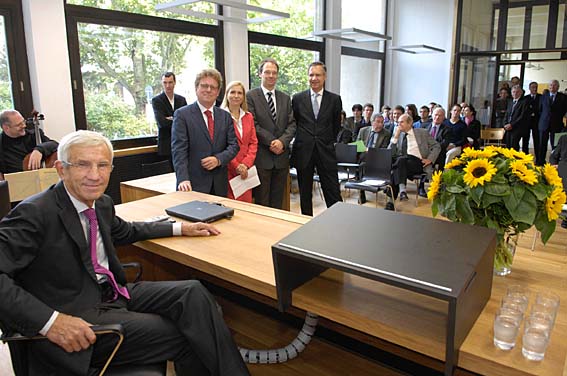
255, 330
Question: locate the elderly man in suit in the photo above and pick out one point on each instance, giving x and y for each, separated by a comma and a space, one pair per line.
164, 105
414, 152
517, 123
552, 109
532, 99
59, 274
375, 136
275, 128
318, 117
203, 141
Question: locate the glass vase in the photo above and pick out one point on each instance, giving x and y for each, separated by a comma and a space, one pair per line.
504, 256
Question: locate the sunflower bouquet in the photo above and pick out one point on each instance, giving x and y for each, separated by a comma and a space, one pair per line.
501, 189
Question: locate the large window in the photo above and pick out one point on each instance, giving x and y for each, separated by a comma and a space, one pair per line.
6, 98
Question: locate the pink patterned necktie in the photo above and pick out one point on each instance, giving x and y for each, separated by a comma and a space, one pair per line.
93, 230
210, 124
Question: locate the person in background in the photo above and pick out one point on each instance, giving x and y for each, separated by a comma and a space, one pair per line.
458, 128
16, 142
235, 103
424, 118
472, 134
500, 108
345, 134
558, 158
366, 119
553, 107
164, 105
356, 118
411, 110
203, 141
517, 119
533, 98
396, 113
386, 110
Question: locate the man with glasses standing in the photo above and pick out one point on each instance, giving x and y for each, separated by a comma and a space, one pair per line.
203, 141
16, 141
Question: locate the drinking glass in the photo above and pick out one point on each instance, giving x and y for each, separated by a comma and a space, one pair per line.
506, 326
536, 338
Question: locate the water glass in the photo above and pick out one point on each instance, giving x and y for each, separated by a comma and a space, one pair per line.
536, 338
515, 300
546, 312
518, 293
506, 327
548, 299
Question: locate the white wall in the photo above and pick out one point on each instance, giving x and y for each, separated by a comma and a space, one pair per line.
420, 78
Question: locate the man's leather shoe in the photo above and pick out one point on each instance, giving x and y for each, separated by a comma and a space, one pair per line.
403, 196
390, 206
422, 192
564, 223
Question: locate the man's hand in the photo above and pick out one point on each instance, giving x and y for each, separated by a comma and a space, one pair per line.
71, 333
210, 163
35, 160
277, 147
169, 118
450, 146
426, 162
242, 170
185, 186
198, 229
508, 127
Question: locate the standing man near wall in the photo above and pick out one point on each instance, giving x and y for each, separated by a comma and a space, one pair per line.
275, 128
164, 106
203, 141
552, 110
317, 114
533, 98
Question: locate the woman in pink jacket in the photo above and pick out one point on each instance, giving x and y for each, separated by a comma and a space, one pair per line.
235, 102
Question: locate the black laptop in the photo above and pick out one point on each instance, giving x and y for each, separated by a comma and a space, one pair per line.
200, 211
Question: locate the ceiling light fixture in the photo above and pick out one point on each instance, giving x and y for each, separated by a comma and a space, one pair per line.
176, 7
352, 34
417, 49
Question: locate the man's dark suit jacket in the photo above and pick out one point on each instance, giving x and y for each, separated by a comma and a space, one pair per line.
45, 265
559, 157
443, 136
316, 134
551, 114
267, 130
162, 109
191, 142
533, 107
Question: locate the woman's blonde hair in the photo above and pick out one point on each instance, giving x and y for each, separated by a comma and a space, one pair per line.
229, 86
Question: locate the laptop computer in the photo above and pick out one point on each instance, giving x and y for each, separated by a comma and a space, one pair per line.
200, 211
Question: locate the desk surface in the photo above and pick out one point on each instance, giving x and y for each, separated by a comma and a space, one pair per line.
242, 255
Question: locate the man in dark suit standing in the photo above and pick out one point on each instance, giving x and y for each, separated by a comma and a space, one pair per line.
533, 99
275, 128
552, 109
318, 117
517, 123
59, 274
203, 141
164, 106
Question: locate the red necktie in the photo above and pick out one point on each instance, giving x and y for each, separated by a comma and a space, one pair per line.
99, 269
210, 124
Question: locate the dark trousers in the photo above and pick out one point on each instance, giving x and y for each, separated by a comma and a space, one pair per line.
402, 168
512, 138
273, 183
544, 137
526, 139
328, 178
173, 320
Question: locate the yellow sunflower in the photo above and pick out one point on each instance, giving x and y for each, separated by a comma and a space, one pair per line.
525, 174
434, 186
551, 175
508, 153
454, 163
479, 171
554, 203
470, 153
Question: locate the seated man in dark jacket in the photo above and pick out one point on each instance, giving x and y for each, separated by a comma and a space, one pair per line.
16, 142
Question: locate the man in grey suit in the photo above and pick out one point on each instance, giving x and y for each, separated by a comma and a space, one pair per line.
317, 114
414, 151
203, 141
375, 136
275, 128
59, 274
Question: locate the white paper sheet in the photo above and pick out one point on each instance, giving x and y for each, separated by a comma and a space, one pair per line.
239, 185
374, 183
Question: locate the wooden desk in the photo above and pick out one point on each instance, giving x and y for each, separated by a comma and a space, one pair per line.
242, 255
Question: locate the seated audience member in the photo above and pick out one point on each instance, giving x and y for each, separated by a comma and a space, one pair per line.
472, 133
558, 158
386, 112
366, 119
424, 118
432, 106
60, 274
16, 141
411, 110
463, 105
458, 128
413, 151
235, 103
356, 118
203, 141
396, 113
517, 122
345, 134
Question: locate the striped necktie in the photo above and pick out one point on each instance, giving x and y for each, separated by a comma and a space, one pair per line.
271, 105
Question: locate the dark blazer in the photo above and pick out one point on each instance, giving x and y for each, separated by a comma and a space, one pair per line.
320, 133
267, 130
162, 109
533, 107
383, 137
45, 265
559, 157
190, 142
551, 114
473, 131
518, 116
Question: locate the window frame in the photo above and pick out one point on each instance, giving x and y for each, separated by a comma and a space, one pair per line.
75, 14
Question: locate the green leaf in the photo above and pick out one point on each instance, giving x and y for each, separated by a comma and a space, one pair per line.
538, 190
547, 230
434, 208
455, 189
450, 208
499, 179
497, 189
464, 210
476, 194
526, 209
488, 199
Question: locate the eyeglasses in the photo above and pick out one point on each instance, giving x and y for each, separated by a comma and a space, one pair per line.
88, 166
21, 124
208, 87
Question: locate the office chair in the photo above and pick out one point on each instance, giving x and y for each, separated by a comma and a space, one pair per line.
347, 160
492, 136
156, 168
377, 173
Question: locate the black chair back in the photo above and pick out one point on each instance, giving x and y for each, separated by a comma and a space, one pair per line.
156, 168
378, 164
345, 153
5, 205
